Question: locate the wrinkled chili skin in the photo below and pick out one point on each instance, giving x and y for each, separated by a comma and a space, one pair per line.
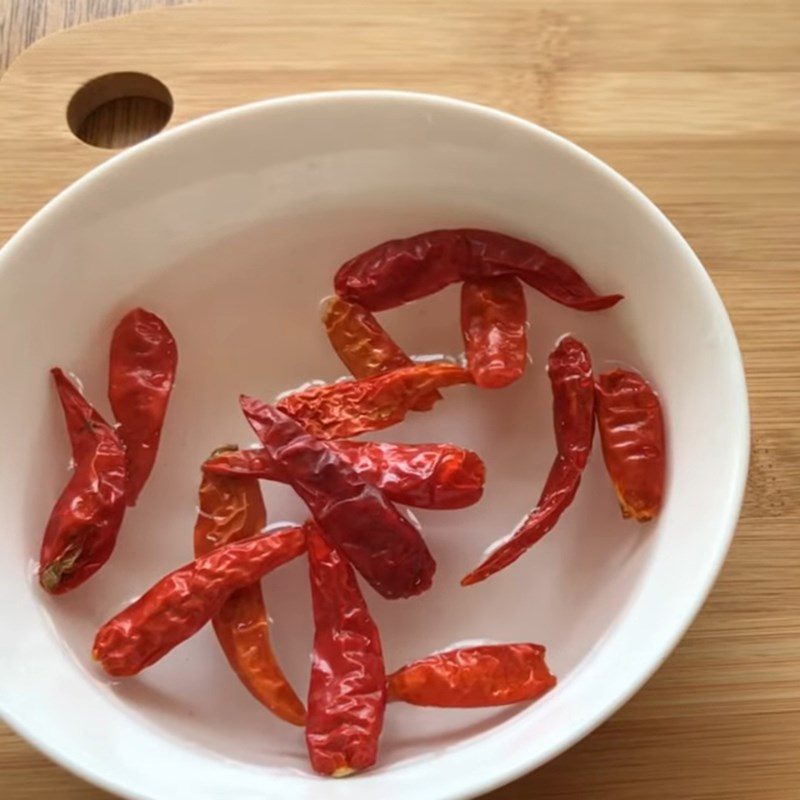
346, 408
474, 677
363, 346
180, 604
347, 690
83, 525
570, 370
141, 374
403, 270
631, 426
437, 476
356, 517
232, 509
493, 323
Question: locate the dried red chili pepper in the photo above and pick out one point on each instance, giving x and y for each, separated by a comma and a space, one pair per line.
559, 491
346, 408
180, 604
141, 374
84, 523
422, 475
379, 541
472, 677
493, 321
402, 270
363, 346
570, 371
230, 510
632, 435
347, 691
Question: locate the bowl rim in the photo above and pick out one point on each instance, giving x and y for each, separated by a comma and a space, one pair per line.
519, 764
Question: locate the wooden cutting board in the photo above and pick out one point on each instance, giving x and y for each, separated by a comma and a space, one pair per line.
699, 104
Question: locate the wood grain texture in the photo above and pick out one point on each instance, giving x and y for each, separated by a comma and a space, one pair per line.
698, 103
22, 22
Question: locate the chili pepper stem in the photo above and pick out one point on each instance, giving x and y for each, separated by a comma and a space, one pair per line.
628, 512
50, 577
343, 772
224, 448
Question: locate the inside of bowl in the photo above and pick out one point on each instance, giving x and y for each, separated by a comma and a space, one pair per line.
245, 312
233, 237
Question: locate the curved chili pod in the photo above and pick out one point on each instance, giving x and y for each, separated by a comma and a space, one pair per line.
347, 408
473, 677
180, 604
559, 491
84, 523
493, 321
357, 518
141, 374
570, 371
402, 270
232, 509
363, 346
440, 476
347, 691
632, 436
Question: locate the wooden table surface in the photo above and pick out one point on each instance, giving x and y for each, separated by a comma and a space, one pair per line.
721, 719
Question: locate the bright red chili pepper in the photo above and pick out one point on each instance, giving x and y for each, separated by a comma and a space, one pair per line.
632, 435
473, 677
232, 509
142, 367
180, 604
346, 408
493, 321
379, 541
570, 371
569, 368
84, 523
558, 492
347, 692
422, 475
402, 270
363, 346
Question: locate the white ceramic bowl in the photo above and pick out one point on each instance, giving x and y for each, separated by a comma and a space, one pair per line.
231, 228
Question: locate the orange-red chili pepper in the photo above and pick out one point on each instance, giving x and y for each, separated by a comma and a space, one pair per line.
422, 475
570, 371
232, 509
357, 518
493, 321
346, 408
402, 270
347, 692
473, 677
180, 604
142, 367
363, 346
84, 523
632, 435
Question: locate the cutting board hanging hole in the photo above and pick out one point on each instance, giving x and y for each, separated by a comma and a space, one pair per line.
119, 109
